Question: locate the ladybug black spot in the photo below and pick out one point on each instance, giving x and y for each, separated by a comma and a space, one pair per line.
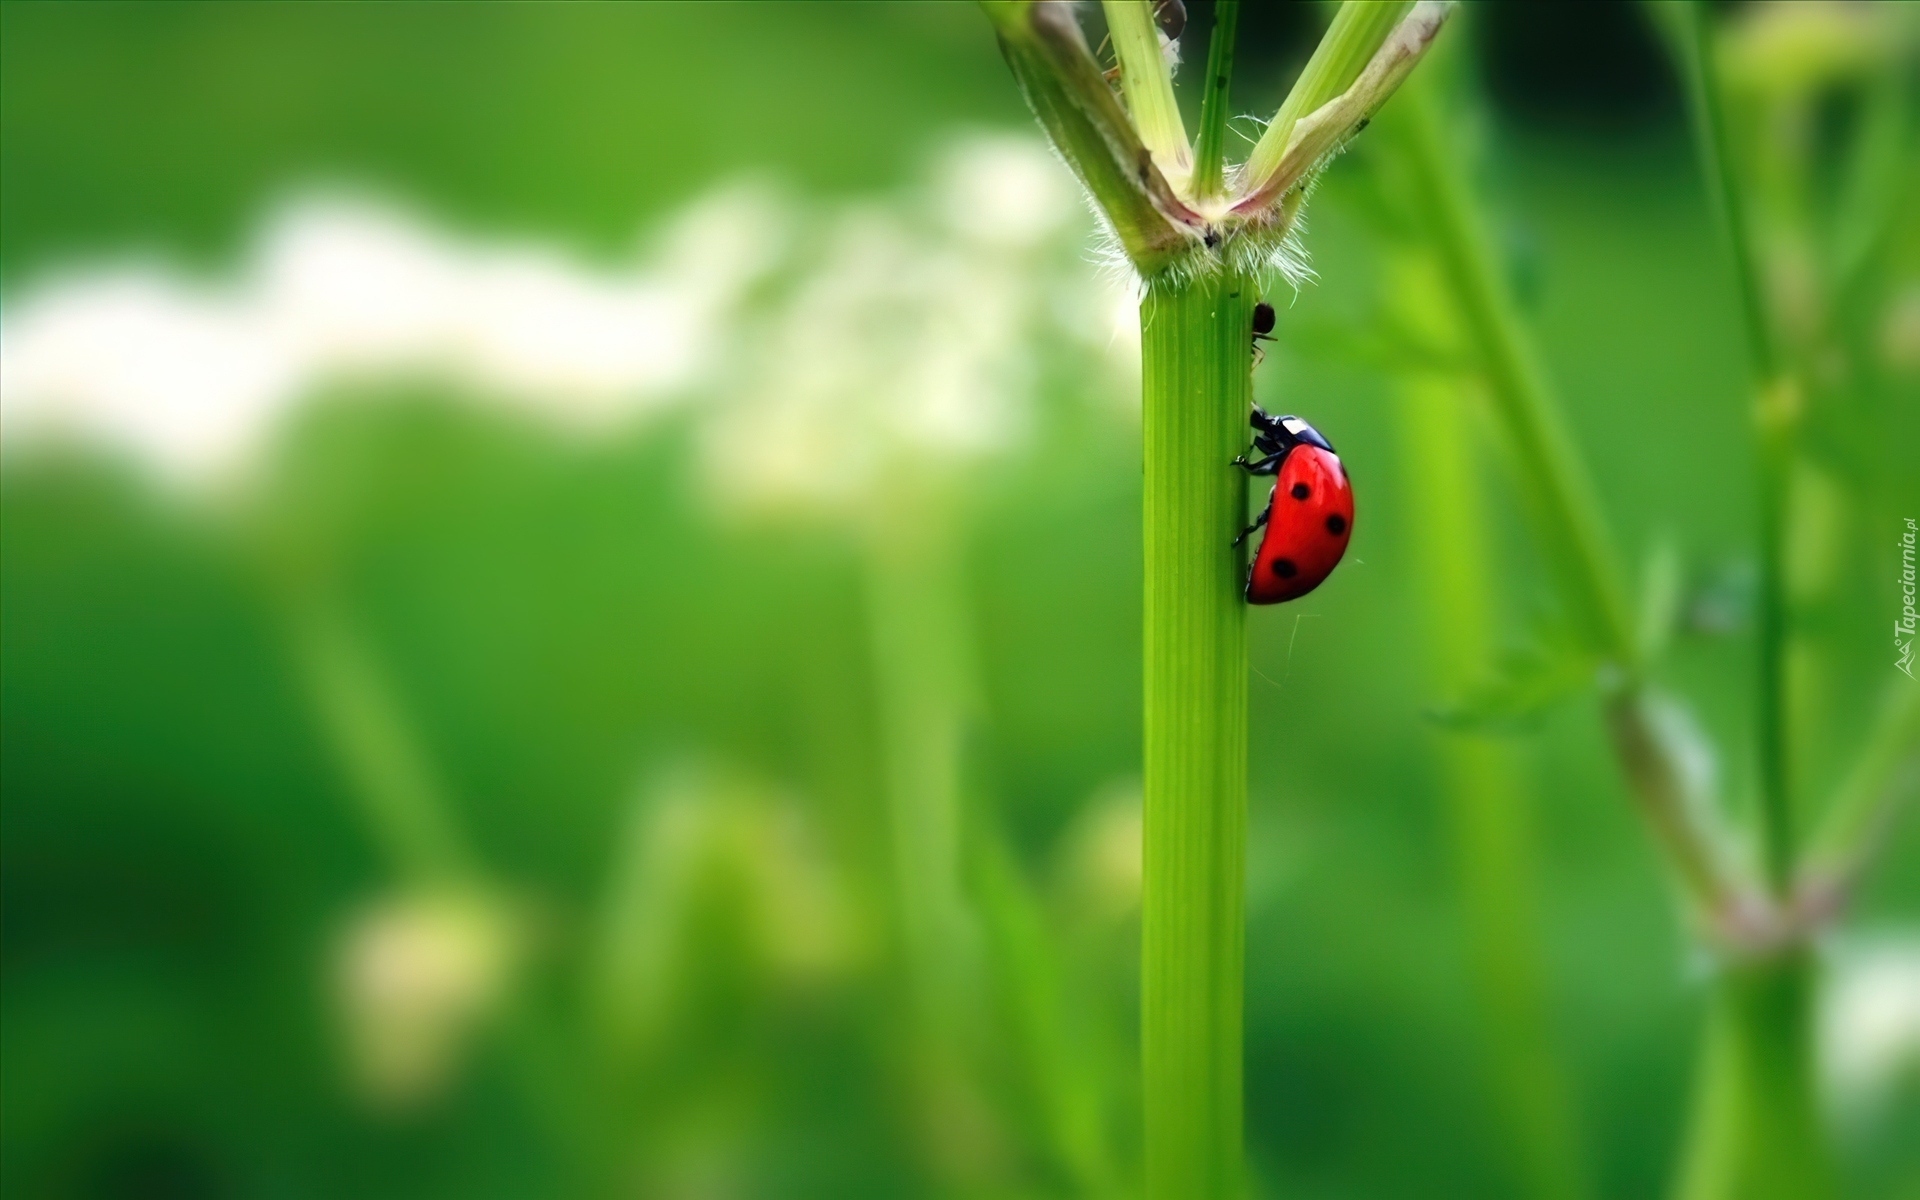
1336, 524
1284, 568
1301, 491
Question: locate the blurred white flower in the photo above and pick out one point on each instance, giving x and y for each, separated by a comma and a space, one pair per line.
914, 327
914, 332
190, 377
415, 974
1870, 1022
145, 362
1005, 191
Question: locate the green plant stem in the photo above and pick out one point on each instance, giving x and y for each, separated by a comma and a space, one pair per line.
957, 940
1198, 389
1756, 1131
1560, 504
1695, 49
1653, 762
1775, 415
405, 810
1486, 808
1049, 1017
1563, 509
1087, 125
1884, 776
926, 702
1776, 800
411, 821
1147, 83
923, 682
1214, 103
1358, 29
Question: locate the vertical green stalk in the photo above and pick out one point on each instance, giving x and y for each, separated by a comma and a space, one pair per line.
1048, 1015
1757, 1131
955, 938
1196, 320
1485, 803
1558, 497
1214, 102
1775, 410
1198, 389
1562, 506
1773, 419
925, 690
921, 676
1730, 210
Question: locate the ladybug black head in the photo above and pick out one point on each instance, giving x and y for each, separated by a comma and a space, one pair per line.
1288, 430
1300, 431
1263, 318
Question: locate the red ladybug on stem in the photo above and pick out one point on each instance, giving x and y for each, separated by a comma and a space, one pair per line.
1309, 513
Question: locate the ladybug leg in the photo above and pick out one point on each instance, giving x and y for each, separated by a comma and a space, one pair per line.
1269, 465
1258, 522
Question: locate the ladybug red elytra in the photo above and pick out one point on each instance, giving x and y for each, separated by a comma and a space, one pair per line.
1309, 513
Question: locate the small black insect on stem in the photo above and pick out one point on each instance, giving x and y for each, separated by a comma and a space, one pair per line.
1172, 15
1262, 329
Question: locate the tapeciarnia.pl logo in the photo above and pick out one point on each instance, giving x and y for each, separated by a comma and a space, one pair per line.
1904, 627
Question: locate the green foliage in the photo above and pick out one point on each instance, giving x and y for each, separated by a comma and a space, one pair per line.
658, 733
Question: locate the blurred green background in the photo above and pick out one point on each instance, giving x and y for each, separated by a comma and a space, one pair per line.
463, 806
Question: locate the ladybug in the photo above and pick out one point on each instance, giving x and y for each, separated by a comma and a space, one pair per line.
1309, 513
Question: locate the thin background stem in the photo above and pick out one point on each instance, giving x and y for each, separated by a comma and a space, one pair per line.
1710, 138
406, 811
1561, 506
1214, 103
1486, 804
1883, 778
1776, 402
